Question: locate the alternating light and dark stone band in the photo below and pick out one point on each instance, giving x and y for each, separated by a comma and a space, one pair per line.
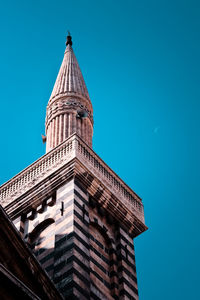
84, 250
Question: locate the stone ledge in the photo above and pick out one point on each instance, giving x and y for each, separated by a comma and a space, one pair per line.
73, 147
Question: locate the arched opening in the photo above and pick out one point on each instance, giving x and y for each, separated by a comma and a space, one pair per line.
42, 242
34, 235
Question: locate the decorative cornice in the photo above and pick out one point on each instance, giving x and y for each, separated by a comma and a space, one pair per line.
36, 197
44, 170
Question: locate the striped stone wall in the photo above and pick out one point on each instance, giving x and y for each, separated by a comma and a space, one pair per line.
113, 270
126, 266
85, 251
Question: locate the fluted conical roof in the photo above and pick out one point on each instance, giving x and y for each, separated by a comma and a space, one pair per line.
70, 79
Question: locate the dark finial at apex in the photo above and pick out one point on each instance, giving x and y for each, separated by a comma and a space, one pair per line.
69, 39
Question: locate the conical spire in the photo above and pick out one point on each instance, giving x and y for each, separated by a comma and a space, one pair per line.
70, 79
69, 109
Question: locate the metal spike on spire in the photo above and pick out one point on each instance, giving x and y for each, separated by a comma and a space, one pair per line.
69, 39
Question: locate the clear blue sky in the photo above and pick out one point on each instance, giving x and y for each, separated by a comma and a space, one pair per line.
140, 61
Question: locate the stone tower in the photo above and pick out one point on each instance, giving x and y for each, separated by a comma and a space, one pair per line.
78, 217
